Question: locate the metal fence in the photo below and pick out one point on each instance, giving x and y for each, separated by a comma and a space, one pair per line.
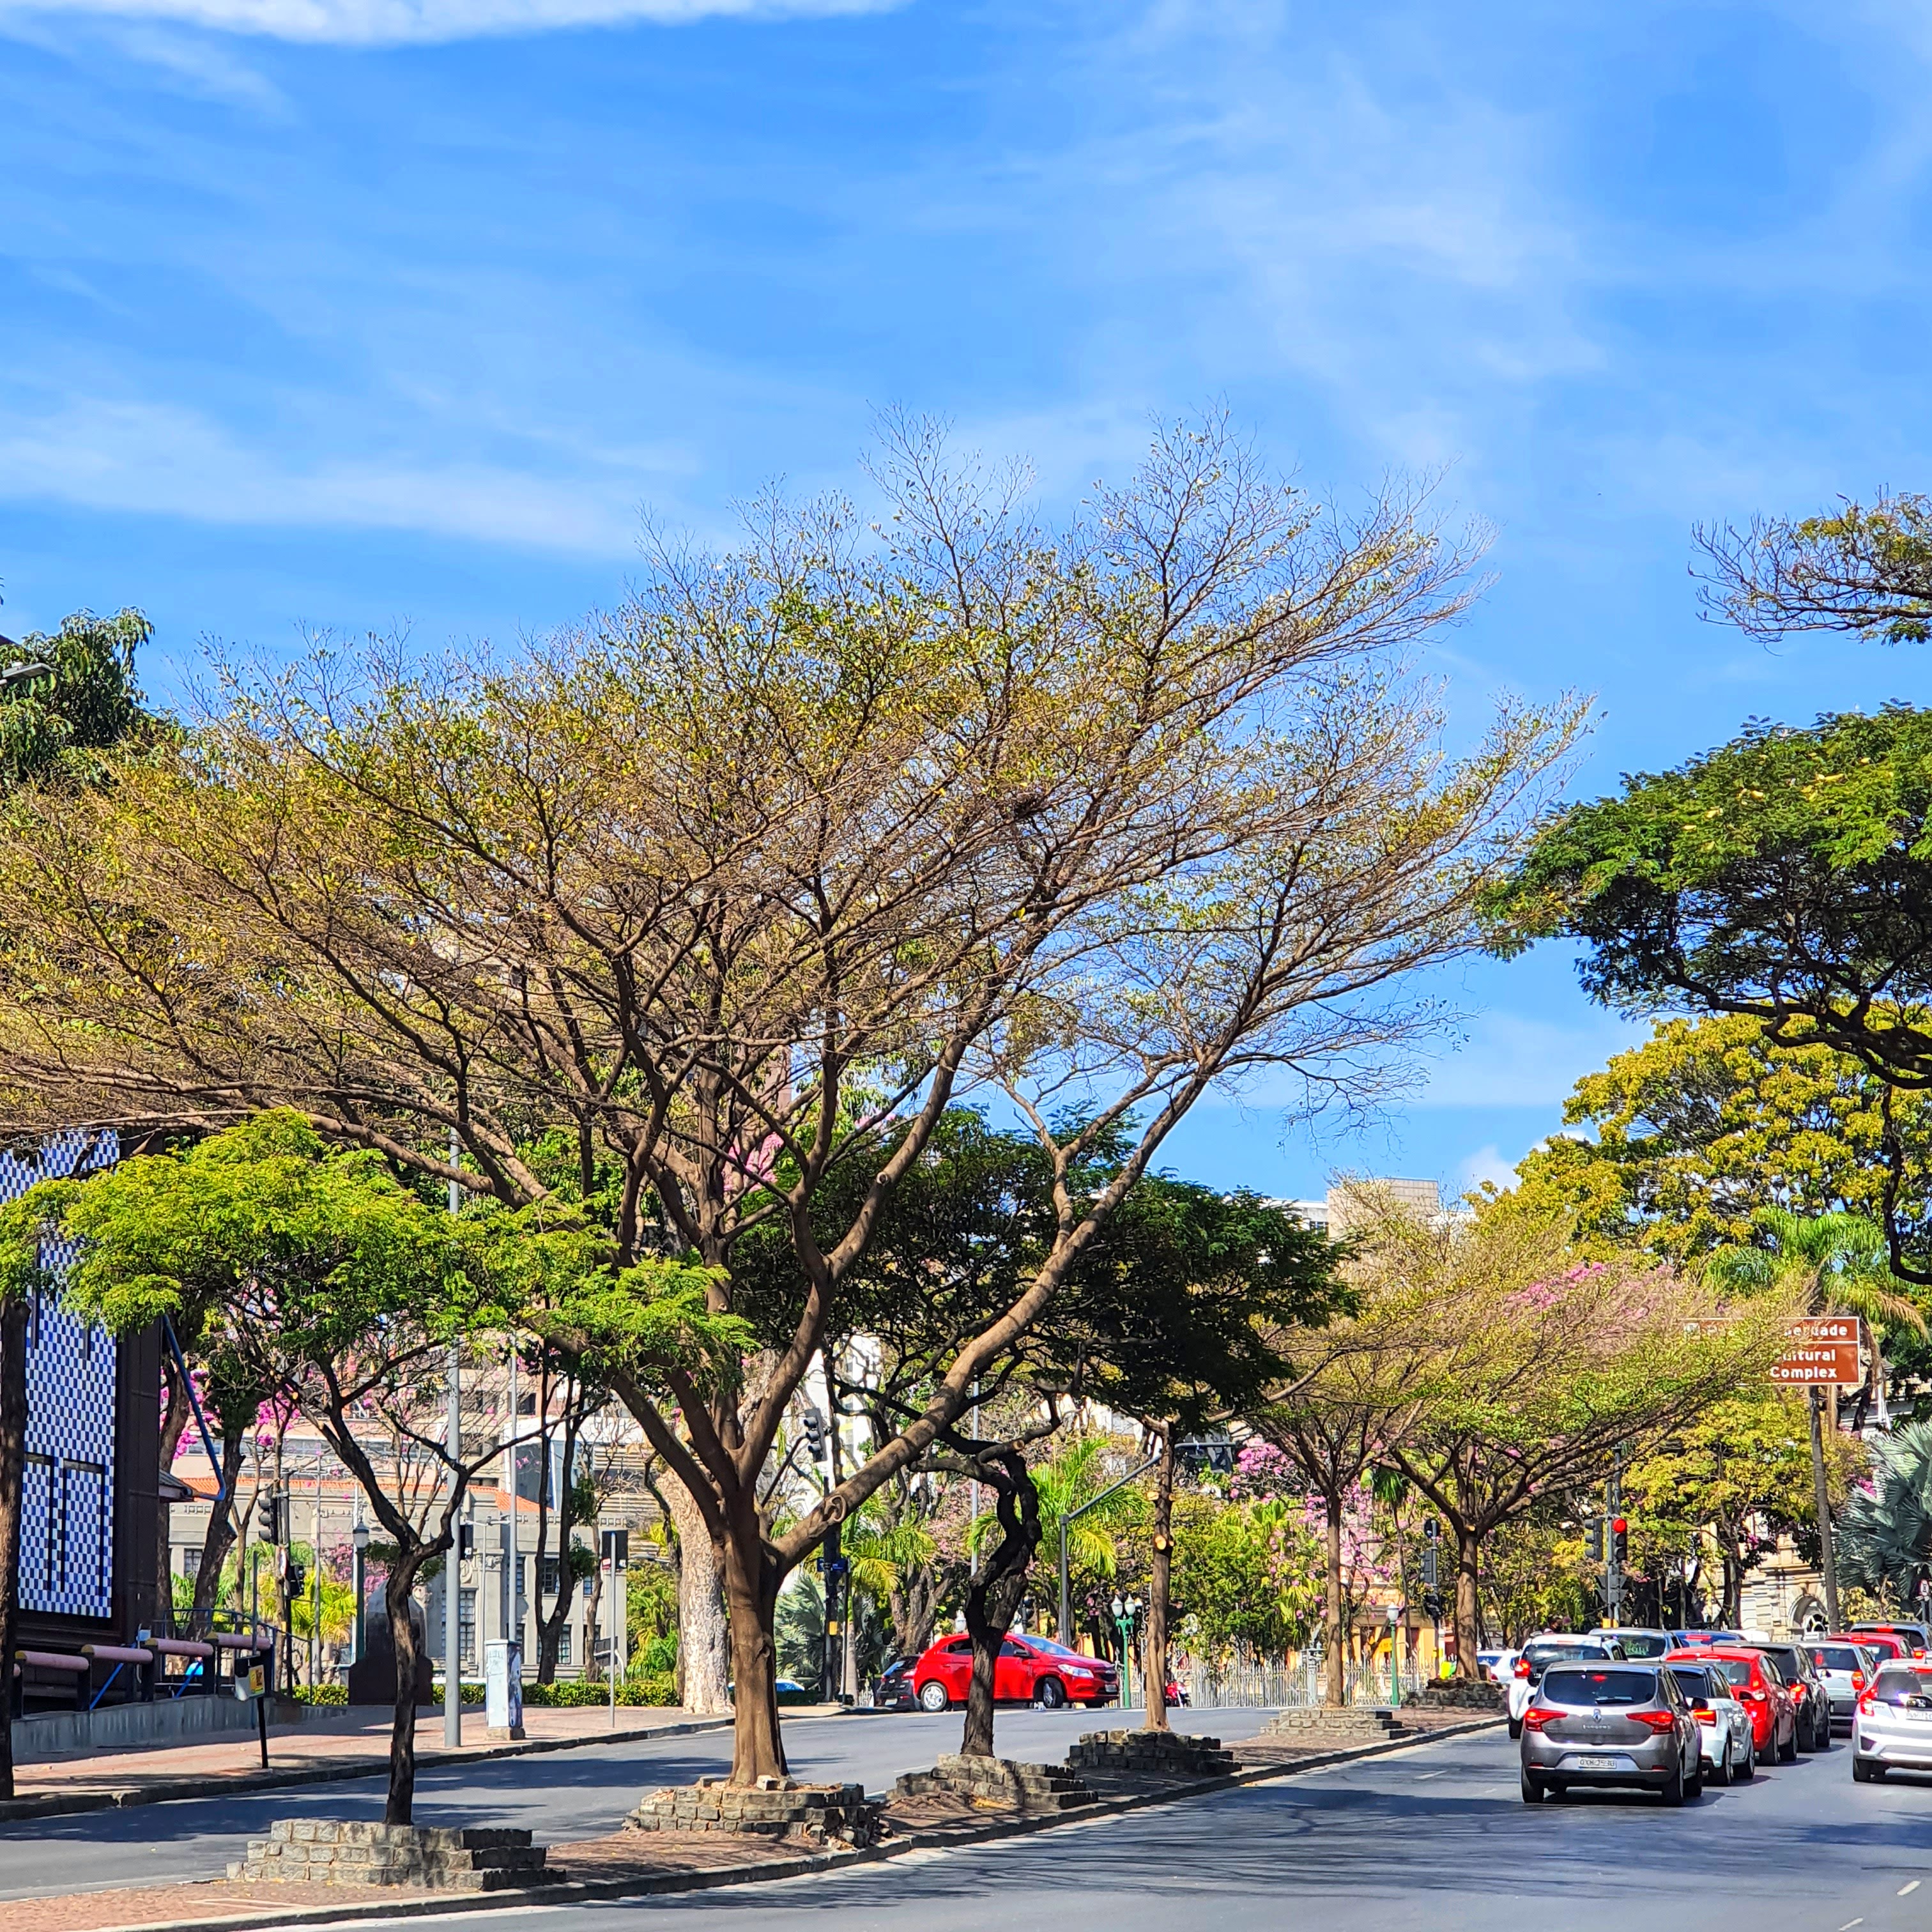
1278, 1686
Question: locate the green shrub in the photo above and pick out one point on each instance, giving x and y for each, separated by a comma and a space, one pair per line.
650, 1688
319, 1693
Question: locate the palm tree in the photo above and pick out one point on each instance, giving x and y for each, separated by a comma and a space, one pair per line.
1833, 1264
1886, 1536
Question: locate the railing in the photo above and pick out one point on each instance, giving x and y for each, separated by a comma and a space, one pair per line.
1280, 1686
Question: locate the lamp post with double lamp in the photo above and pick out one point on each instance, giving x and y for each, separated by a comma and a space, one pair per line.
24, 674
1127, 1614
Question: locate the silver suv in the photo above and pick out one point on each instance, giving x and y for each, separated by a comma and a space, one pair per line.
1610, 1723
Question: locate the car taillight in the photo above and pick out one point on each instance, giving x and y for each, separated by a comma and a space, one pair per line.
1536, 1717
1865, 1702
1657, 1720
1858, 1680
1522, 1666
1751, 1697
1916, 1652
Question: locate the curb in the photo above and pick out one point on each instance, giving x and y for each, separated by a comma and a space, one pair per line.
63, 1803
593, 1891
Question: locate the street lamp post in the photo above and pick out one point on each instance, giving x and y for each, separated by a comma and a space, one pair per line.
359, 1541
1395, 1646
1126, 1613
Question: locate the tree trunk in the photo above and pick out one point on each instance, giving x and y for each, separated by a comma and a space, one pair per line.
1334, 1675
1154, 1664
1827, 1557
701, 1606
174, 1420
751, 1583
223, 1518
12, 1467
1469, 1614
995, 1594
396, 1594
593, 1619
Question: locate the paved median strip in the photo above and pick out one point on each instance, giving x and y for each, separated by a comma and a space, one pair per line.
930, 1841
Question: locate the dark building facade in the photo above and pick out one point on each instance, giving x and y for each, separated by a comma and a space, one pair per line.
91, 1490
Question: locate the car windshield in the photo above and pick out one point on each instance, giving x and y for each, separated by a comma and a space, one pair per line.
1546, 1653
1058, 1649
1569, 1685
1693, 1684
1835, 1657
1900, 1685
1789, 1664
1736, 1669
1636, 1645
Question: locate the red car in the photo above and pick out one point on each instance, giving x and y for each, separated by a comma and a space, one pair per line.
1910, 1636
1029, 1670
1887, 1646
1762, 1692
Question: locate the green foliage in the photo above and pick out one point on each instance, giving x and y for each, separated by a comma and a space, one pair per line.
1786, 876
1247, 1576
1707, 1121
654, 1690
650, 1593
53, 729
1885, 1535
314, 1695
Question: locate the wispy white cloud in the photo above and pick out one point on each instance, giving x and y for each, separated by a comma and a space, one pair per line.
401, 23
159, 459
1511, 1061
1485, 1167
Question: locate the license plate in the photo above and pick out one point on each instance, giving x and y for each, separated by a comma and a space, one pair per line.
1597, 1761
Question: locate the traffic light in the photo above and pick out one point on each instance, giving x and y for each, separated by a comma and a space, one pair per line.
1619, 1540
1593, 1541
1430, 1578
465, 1541
1432, 1604
814, 1433
270, 1511
298, 1577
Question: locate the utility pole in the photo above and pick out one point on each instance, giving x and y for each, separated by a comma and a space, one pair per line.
452, 1568
1615, 1543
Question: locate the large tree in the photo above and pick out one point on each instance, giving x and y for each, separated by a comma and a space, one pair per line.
756, 879
1692, 1132
66, 701
1785, 877
341, 1290
1550, 1364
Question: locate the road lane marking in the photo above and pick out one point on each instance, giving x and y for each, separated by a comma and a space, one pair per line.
1849, 1923
1905, 1891
1426, 1776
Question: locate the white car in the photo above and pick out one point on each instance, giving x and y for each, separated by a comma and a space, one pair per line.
1497, 1666
1845, 1670
1723, 1724
1892, 1727
1647, 1646
1551, 1647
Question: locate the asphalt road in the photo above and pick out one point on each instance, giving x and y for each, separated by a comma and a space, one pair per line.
1434, 1839
558, 1795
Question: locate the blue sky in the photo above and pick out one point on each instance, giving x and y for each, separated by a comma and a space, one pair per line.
349, 314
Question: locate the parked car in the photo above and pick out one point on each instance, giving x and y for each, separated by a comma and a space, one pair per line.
1845, 1667
1730, 1752
1814, 1701
1536, 1656
1496, 1666
1644, 1646
1773, 1710
1693, 1637
895, 1690
1606, 1723
1892, 1728
1914, 1636
1029, 1670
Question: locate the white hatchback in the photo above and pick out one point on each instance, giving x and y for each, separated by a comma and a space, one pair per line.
1891, 1730
1551, 1647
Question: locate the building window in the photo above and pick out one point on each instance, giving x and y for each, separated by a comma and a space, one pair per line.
552, 1575
563, 1644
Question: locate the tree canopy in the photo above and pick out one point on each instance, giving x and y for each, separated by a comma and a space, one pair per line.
1785, 877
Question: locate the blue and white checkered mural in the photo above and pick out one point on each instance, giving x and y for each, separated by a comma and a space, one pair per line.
67, 1525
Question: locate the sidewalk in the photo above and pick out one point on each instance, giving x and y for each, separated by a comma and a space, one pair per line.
328, 1745
630, 1865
